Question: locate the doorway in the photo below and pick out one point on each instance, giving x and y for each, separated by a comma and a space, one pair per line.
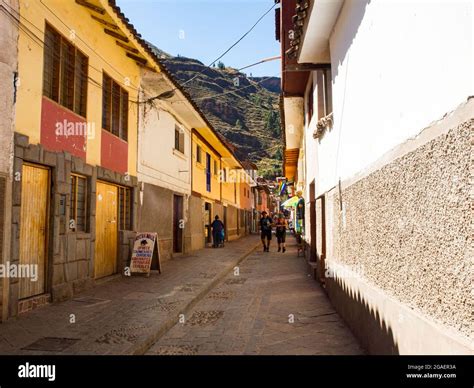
106, 230
34, 228
225, 224
178, 224
312, 221
321, 236
207, 226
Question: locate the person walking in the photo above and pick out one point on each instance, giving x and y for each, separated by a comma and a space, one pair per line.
281, 227
266, 224
217, 228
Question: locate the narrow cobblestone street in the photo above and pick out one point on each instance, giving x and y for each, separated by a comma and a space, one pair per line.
269, 306
223, 313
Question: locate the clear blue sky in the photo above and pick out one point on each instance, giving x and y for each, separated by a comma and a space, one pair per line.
204, 29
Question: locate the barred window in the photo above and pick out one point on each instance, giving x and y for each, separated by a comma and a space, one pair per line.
125, 208
114, 108
65, 72
79, 203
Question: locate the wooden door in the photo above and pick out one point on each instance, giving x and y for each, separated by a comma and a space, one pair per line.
106, 230
208, 222
33, 228
225, 224
177, 224
312, 220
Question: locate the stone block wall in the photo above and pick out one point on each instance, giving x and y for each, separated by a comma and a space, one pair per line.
8, 80
156, 215
70, 254
196, 223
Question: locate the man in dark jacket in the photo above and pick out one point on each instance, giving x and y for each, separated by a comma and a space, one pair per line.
266, 224
217, 228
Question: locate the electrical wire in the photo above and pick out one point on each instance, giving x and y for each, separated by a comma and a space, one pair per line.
83, 41
92, 81
41, 43
226, 51
229, 91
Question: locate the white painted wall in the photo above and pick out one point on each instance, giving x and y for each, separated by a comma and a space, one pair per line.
294, 121
311, 159
158, 163
397, 66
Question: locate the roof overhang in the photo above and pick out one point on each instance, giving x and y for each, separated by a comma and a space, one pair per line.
322, 16
136, 48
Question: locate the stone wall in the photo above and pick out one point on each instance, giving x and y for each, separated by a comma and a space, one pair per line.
156, 215
196, 223
232, 218
70, 254
8, 73
126, 241
405, 228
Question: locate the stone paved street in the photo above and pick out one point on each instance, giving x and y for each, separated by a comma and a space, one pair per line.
223, 313
272, 307
123, 315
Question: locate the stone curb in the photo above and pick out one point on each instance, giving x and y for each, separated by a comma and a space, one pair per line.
142, 347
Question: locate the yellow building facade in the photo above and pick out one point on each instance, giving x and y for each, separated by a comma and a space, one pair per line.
79, 192
75, 186
216, 188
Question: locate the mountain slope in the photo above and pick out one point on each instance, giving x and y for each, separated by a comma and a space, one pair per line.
244, 110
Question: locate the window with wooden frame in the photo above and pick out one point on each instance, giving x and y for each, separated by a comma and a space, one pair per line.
114, 108
324, 93
79, 203
198, 154
310, 101
65, 72
179, 139
125, 208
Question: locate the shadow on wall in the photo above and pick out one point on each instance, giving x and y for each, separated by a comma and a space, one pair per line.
370, 329
349, 21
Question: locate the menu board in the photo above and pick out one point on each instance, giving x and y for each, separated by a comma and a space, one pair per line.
143, 249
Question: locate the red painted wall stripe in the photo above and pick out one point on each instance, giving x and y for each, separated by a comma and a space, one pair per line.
62, 130
114, 153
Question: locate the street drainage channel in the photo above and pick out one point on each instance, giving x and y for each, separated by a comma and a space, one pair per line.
203, 317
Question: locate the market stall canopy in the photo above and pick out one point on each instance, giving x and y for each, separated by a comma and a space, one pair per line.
291, 202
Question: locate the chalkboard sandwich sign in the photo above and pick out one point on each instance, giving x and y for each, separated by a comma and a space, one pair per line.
144, 247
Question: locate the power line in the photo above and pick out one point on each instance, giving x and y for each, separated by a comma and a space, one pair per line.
92, 81
41, 43
232, 91
83, 41
226, 51
262, 61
